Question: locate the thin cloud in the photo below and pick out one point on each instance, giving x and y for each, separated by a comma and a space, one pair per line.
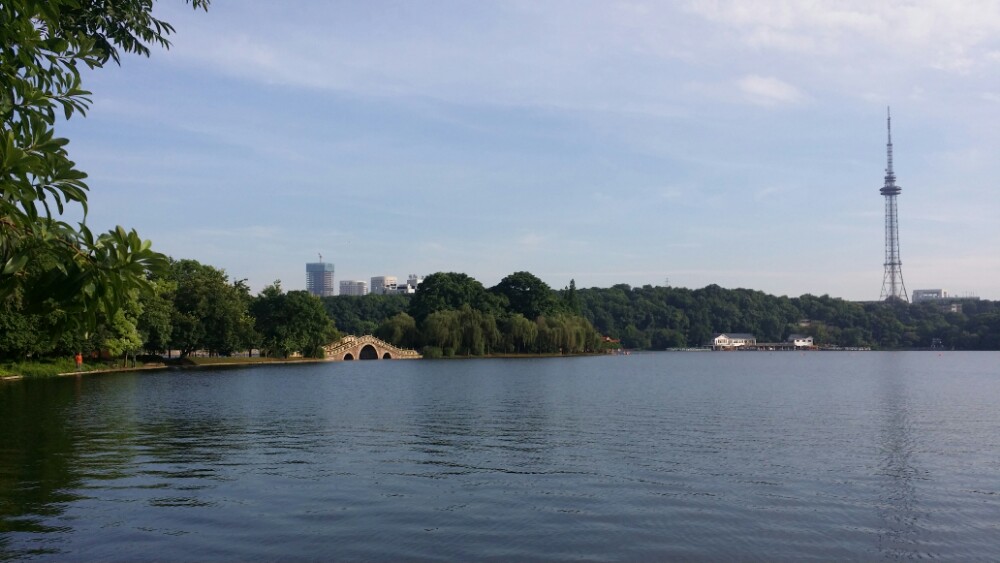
767, 90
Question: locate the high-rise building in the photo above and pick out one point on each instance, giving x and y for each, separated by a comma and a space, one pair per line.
353, 287
382, 285
319, 278
892, 282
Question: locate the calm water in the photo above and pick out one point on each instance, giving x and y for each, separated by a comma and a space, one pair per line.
693, 456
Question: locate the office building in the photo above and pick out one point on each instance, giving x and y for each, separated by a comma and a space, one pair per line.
319, 279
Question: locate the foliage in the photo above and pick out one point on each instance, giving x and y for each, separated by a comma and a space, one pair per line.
118, 334
363, 314
154, 322
669, 317
453, 314
401, 330
44, 368
443, 291
210, 313
527, 295
291, 322
50, 265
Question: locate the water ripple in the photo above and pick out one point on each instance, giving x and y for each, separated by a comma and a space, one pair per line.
693, 457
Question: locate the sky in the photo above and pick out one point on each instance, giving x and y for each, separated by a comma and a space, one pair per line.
738, 143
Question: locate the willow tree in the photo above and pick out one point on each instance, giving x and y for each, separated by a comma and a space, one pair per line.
46, 263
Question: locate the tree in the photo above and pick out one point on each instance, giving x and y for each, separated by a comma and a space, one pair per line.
154, 323
291, 322
20, 334
363, 314
210, 313
571, 301
442, 330
527, 295
400, 330
50, 264
519, 334
118, 334
444, 291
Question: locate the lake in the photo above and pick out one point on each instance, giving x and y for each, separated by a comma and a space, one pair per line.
755, 456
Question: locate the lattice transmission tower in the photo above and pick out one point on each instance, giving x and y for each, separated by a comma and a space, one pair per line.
892, 282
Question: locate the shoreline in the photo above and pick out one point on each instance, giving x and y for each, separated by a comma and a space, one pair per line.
174, 365
242, 362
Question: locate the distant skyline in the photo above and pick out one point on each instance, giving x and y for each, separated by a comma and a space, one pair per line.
740, 143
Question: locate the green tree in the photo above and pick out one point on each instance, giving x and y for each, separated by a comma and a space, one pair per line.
154, 323
519, 334
400, 330
364, 314
20, 334
118, 334
50, 264
444, 291
527, 295
210, 313
292, 322
571, 301
442, 330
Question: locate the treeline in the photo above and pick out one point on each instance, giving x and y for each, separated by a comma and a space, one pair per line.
452, 314
196, 307
191, 307
658, 318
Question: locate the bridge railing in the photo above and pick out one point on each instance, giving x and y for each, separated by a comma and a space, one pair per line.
351, 343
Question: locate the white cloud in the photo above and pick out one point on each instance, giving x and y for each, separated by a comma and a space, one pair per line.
942, 34
531, 240
766, 90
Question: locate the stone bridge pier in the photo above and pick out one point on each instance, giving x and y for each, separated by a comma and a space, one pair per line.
366, 347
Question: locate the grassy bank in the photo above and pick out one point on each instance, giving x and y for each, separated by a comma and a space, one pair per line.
38, 368
49, 367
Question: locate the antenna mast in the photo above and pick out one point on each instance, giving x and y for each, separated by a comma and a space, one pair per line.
893, 287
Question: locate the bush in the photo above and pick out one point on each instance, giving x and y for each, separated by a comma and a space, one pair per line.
431, 352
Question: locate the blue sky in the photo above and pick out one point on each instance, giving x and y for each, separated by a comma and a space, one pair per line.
740, 143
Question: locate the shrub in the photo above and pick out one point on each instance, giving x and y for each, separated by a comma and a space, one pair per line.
431, 352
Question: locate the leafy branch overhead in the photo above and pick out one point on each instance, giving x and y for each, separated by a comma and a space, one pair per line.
47, 263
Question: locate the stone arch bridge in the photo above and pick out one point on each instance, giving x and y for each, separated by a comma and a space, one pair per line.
366, 347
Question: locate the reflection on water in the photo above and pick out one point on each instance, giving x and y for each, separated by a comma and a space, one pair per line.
897, 505
648, 457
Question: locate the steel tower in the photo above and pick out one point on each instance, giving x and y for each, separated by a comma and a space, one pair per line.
892, 283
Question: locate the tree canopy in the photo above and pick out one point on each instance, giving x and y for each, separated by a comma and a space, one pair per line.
291, 322
46, 263
443, 291
528, 295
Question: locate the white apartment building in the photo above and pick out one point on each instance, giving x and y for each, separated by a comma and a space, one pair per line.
353, 287
929, 295
382, 285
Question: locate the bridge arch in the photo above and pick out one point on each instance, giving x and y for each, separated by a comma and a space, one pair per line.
366, 347
368, 352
